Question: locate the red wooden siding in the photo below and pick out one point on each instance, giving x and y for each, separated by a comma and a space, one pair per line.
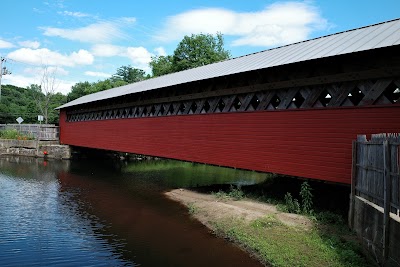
308, 143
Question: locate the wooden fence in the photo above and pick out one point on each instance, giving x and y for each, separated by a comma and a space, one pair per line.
44, 132
376, 177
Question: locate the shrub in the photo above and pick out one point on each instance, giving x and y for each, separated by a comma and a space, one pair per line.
14, 134
306, 198
236, 193
9, 134
292, 204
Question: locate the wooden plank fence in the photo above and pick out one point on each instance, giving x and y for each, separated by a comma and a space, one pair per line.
376, 176
43, 132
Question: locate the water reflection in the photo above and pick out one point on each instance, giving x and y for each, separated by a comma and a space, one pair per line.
40, 225
174, 173
92, 213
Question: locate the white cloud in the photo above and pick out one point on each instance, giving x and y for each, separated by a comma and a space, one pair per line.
139, 56
74, 14
128, 20
82, 57
63, 86
37, 10
100, 32
30, 44
45, 56
278, 24
51, 69
160, 51
97, 74
107, 50
5, 44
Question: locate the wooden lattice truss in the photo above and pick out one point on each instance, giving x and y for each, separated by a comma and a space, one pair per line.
349, 94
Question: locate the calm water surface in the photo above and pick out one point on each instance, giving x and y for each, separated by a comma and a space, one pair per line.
99, 213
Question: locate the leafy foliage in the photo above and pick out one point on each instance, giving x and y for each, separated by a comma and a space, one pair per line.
234, 193
161, 65
192, 208
14, 134
306, 197
19, 102
193, 51
84, 88
129, 74
9, 134
78, 90
199, 50
292, 204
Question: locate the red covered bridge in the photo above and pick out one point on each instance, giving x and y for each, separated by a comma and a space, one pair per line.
290, 110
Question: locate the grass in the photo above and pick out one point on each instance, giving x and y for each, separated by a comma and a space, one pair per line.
14, 134
328, 242
233, 193
192, 208
276, 244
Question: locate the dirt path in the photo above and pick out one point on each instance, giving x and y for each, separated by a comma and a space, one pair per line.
208, 209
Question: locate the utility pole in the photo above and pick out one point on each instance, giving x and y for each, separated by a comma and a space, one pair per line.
3, 71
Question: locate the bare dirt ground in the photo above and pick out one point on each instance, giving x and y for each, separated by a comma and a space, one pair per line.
208, 209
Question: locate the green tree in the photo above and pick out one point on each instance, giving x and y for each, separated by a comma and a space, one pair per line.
20, 102
161, 65
129, 74
56, 100
84, 88
199, 50
106, 84
78, 90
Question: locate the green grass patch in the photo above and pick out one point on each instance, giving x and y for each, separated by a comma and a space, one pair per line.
192, 208
14, 134
276, 244
234, 193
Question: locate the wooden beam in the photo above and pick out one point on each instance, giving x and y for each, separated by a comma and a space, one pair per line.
387, 199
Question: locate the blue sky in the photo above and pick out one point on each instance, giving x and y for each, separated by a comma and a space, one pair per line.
88, 40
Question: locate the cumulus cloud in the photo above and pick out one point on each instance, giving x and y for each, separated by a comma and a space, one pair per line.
45, 56
100, 32
30, 44
139, 56
160, 51
277, 24
97, 74
63, 86
5, 44
107, 50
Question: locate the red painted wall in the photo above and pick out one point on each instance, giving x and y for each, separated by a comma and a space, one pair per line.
308, 143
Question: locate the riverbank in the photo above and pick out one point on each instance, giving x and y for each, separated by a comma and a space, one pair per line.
275, 238
34, 148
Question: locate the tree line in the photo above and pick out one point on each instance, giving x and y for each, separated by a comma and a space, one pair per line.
192, 51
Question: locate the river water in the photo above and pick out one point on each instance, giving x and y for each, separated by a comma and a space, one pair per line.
104, 213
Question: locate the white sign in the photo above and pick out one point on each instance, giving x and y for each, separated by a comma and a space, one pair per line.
19, 120
40, 118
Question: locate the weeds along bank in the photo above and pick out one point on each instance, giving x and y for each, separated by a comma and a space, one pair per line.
14, 143
288, 232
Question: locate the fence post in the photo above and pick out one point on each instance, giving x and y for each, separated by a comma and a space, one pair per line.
387, 198
353, 184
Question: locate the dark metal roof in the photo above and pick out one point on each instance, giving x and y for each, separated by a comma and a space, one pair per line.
366, 38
